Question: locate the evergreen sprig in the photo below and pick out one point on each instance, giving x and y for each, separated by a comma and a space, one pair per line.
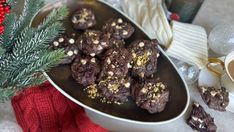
24, 50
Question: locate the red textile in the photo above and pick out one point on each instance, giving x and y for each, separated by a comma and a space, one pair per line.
44, 109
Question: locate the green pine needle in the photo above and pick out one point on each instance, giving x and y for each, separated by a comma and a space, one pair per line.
9, 24
6, 93
31, 8
56, 15
25, 51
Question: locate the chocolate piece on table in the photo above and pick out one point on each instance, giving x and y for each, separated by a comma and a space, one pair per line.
151, 94
201, 121
67, 42
85, 70
145, 54
115, 89
216, 99
116, 63
83, 19
93, 42
118, 29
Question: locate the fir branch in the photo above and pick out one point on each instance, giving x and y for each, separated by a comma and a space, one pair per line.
49, 59
31, 8
6, 93
25, 45
56, 15
8, 25
12, 3
26, 54
2, 51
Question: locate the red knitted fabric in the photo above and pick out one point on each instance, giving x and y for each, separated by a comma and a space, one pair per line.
44, 109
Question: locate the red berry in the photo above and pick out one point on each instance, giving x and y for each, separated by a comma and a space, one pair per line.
175, 16
7, 9
3, 17
1, 21
1, 29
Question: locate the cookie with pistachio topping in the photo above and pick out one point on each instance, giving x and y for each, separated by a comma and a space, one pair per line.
85, 70
118, 28
115, 89
93, 42
151, 94
145, 54
83, 19
116, 63
201, 121
216, 99
116, 43
66, 42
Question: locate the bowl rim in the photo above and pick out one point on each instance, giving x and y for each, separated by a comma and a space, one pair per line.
58, 3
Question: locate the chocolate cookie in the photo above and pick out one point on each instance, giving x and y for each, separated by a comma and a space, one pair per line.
83, 19
67, 42
145, 54
71, 52
115, 63
92, 42
118, 29
115, 89
116, 43
201, 121
151, 95
215, 98
85, 70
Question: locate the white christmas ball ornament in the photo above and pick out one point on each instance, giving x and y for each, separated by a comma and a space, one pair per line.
221, 39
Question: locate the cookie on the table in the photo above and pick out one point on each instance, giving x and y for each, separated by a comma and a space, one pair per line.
116, 63
92, 42
215, 98
83, 19
118, 29
201, 121
115, 89
151, 94
145, 54
85, 70
66, 42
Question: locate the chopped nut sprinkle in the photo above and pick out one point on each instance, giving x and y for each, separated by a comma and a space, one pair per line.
141, 44
113, 24
93, 60
61, 40
71, 41
92, 54
125, 32
120, 20
70, 53
95, 41
83, 61
92, 91
55, 43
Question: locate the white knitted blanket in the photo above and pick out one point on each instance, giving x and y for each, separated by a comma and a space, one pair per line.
185, 42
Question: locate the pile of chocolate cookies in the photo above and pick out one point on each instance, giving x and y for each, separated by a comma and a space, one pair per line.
108, 68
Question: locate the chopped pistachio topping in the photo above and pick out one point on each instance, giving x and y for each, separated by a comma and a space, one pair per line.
92, 91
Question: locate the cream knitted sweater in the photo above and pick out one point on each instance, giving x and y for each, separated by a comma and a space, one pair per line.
185, 42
